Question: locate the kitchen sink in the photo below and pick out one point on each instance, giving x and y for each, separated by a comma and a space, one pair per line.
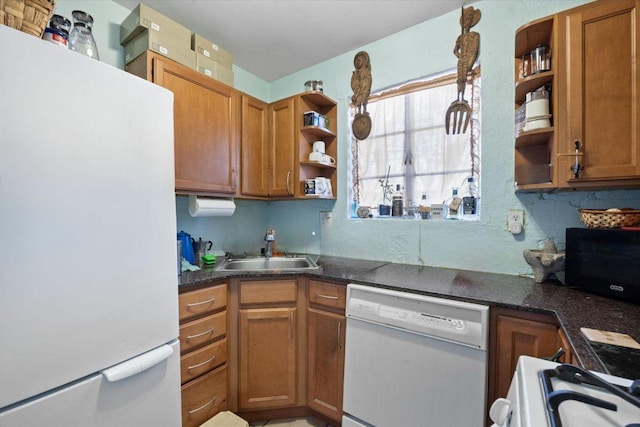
289, 263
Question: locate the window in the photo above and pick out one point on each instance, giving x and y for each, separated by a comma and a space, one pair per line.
408, 145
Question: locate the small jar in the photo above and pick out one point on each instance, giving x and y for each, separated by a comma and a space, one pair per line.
540, 59
313, 85
58, 30
526, 65
81, 38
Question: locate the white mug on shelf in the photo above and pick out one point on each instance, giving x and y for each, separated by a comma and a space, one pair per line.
327, 160
315, 156
318, 147
321, 186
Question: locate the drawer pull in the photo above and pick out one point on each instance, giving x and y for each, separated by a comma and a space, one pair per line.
208, 331
194, 304
201, 364
326, 296
193, 411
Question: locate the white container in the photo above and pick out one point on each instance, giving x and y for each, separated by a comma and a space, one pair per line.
319, 147
537, 108
538, 122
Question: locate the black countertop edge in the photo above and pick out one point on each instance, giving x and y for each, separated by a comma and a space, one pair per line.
572, 308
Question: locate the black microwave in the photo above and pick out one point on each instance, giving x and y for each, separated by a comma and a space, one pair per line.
604, 261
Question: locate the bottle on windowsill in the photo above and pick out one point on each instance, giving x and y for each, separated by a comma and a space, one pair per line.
454, 205
397, 203
424, 208
469, 200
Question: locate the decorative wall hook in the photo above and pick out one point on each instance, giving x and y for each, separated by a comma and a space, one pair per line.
466, 49
361, 86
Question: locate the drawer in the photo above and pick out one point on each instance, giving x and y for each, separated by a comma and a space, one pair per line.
203, 360
204, 397
268, 291
327, 294
195, 303
202, 331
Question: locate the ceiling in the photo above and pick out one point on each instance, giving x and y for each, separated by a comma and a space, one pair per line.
274, 38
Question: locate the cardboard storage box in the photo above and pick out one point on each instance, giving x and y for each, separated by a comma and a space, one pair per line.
144, 18
214, 70
162, 44
211, 51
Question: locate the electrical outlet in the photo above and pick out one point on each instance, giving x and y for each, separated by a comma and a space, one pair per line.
515, 221
326, 221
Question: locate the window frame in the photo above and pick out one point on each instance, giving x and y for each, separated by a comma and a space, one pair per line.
409, 174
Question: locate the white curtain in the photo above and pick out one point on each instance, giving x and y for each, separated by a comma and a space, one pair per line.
408, 143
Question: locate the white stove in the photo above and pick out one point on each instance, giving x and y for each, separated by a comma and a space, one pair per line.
548, 394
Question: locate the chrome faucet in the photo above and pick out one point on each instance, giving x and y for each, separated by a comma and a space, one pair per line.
269, 240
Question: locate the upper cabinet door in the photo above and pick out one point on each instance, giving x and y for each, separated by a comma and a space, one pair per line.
282, 150
255, 147
600, 94
205, 129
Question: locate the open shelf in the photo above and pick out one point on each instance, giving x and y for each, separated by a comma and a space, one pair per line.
317, 165
317, 131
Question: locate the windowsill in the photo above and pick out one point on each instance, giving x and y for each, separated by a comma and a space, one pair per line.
407, 219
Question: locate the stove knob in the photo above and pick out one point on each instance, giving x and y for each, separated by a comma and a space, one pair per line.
500, 412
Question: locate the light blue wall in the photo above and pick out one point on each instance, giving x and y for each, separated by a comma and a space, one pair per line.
418, 51
485, 245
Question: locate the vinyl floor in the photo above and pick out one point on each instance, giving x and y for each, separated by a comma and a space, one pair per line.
292, 422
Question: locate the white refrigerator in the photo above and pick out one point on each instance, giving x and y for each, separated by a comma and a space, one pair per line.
88, 275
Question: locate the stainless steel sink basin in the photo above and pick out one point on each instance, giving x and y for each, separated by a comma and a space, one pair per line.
297, 263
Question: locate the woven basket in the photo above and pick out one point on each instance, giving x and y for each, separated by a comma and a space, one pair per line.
29, 16
600, 218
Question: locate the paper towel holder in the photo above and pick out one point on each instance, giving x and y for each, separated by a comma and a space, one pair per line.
211, 207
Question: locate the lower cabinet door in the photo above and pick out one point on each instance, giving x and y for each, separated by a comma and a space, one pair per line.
204, 397
326, 335
268, 358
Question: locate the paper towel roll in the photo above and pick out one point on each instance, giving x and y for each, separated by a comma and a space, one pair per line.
204, 207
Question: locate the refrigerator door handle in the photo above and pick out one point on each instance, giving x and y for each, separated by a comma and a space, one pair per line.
138, 364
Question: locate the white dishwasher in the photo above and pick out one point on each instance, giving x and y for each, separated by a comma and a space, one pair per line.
413, 360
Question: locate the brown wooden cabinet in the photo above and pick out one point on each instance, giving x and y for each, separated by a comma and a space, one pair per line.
254, 147
230, 144
515, 334
282, 157
569, 355
593, 141
203, 349
270, 342
600, 94
326, 337
206, 125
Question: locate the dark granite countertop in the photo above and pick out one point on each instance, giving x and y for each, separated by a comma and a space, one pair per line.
574, 309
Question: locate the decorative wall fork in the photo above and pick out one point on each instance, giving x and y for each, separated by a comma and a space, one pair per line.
466, 49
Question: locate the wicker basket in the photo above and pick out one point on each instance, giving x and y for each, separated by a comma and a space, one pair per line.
29, 16
601, 218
